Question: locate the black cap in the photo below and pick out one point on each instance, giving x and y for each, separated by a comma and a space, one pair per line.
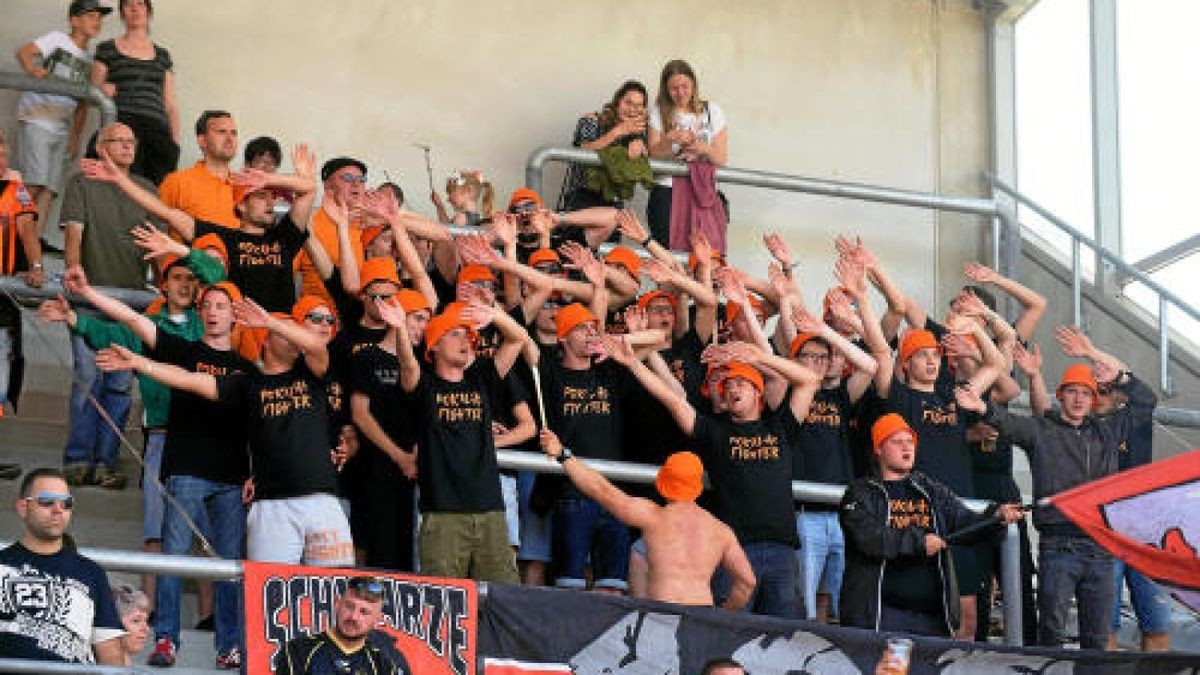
84, 6
334, 165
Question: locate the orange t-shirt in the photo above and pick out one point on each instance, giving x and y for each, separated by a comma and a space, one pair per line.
200, 194
14, 203
323, 228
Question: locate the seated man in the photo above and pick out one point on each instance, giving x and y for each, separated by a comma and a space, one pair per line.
684, 543
898, 574
346, 646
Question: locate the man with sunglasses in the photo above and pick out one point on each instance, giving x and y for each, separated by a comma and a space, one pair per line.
351, 645
344, 182
55, 605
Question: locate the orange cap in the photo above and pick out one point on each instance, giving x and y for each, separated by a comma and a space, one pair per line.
306, 304
802, 339
625, 257
1078, 373
915, 340
647, 298
524, 195
544, 255
470, 274
708, 373
211, 240
681, 477
370, 233
227, 286
733, 310
441, 324
379, 269
887, 426
745, 371
571, 316
412, 301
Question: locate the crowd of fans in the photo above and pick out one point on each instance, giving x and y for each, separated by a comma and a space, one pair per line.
328, 383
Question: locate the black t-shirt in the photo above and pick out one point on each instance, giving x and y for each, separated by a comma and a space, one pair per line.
375, 373
586, 407
53, 606
911, 582
824, 442
941, 429
260, 265
456, 460
750, 467
288, 421
991, 464
206, 439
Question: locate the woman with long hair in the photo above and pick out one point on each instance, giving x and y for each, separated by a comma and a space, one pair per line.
622, 121
684, 127
136, 73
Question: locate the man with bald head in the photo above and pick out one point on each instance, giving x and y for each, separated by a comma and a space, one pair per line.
98, 218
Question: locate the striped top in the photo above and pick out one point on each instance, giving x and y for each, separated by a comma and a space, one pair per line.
139, 82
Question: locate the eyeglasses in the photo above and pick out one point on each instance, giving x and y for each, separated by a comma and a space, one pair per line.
47, 500
553, 304
523, 207
318, 317
660, 309
380, 297
549, 268
366, 586
352, 178
819, 358
485, 285
122, 141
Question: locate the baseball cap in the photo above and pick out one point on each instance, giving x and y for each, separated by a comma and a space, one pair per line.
915, 340
338, 163
571, 316
84, 6
681, 477
887, 426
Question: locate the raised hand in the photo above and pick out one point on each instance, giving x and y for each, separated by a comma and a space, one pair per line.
618, 349
75, 280
477, 294
968, 400
630, 226
806, 322
969, 304
1028, 360
659, 272
56, 310
337, 211
503, 228
550, 443
381, 204
474, 249
957, 323
855, 250
780, 282
778, 248
250, 314
477, 314
730, 282
701, 248
635, 319
579, 257
842, 309
1074, 342
852, 275
304, 161
980, 274
959, 345
1104, 371
156, 242
101, 169
251, 179
116, 358
390, 313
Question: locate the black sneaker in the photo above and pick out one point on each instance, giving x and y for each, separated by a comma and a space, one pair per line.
206, 623
77, 475
9, 471
108, 478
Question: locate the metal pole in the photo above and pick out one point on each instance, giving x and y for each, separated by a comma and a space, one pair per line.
1076, 284
777, 181
31, 666
52, 288
1010, 585
54, 85
1164, 347
189, 566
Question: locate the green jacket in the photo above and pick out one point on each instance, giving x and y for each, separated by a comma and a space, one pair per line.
620, 175
99, 333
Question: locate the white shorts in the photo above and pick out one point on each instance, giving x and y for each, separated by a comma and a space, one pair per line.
512, 517
309, 530
42, 155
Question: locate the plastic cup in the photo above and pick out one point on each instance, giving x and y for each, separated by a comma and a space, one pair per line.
901, 650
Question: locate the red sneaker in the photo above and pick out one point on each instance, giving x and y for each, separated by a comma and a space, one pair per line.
230, 660
163, 655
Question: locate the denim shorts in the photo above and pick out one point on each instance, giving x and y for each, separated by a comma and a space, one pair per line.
582, 528
536, 529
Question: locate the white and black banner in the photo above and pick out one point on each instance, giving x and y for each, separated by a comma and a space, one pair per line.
599, 634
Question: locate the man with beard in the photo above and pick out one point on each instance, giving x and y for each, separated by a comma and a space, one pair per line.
205, 191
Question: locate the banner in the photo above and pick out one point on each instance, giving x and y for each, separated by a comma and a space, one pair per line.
598, 634
1149, 517
433, 621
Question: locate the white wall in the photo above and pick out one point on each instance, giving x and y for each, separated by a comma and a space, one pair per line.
890, 92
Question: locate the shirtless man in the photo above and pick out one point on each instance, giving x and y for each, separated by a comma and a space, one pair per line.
684, 543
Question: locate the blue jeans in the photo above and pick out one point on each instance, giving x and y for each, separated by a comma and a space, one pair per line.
222, 503
153, 502
1074, 567
582, 528
822, 556
776, 569
90, 440
1150, 603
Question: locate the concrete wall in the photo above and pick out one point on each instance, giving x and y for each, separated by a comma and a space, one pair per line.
890, 92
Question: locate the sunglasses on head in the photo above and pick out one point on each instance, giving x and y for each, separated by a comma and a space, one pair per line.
367, 586
352, 178
47, 500
318, 317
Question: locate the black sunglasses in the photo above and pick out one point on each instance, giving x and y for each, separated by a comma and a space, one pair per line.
366, 586
318, 317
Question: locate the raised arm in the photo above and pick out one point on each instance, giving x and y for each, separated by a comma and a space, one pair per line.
681, 411
514, 338
632, 511
897, 303
302, 185
311, 346
580, 258
105, 171
116, 358
75, 282
410, 368
1029, 361
1033, 305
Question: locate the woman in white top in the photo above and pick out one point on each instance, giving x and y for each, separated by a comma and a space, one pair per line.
694, 130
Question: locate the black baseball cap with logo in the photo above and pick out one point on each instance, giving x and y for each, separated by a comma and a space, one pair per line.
84, 6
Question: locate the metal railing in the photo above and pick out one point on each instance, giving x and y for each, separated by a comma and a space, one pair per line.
1078, 239
53, 85
218, 569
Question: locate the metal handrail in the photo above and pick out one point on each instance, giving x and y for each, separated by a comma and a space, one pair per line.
41, 667
535, 166
53, 85
53, 288
1165, 297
